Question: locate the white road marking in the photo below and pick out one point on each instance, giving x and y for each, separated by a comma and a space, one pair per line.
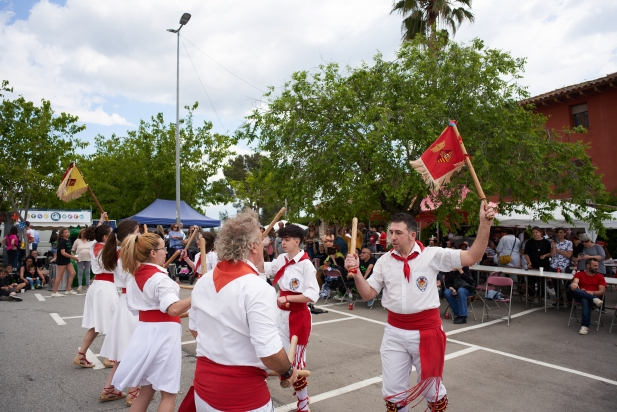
360, 385
58, 319
330, 321
72, 317
188, 342
537, 362
354, 316
39, 297
93, 359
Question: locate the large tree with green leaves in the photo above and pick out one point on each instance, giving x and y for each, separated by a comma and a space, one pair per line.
36, 145
250, 180
343, 139
426, 17
128, 173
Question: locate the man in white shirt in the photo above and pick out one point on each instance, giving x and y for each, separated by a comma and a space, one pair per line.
408, 277
296, 276
233, 317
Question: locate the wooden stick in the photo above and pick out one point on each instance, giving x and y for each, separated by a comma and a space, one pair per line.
96, 201
190, 239
276, 218
184, 315
476, 182
186, 287
202, 250
354, 234
172, 258
301, 374
291, 355
145, 228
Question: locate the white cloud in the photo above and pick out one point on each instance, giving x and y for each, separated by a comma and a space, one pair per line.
87, 55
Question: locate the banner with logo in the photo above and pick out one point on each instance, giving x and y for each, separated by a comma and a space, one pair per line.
61, 217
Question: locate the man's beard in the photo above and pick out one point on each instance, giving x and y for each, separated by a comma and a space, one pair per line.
592, 270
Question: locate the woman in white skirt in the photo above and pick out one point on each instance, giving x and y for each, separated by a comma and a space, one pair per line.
124, 322
153, 359
101, 299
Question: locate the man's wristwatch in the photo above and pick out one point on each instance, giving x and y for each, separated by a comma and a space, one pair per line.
288, 374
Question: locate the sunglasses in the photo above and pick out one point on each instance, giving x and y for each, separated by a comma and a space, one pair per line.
586, 241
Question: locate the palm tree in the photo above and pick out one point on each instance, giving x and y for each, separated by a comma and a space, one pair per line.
424, 16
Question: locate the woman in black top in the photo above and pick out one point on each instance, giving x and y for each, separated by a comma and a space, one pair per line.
63, 262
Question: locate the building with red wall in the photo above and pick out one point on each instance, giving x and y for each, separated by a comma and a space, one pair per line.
592, 104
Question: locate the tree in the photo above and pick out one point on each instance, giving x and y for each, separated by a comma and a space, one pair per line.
425, 16
128, 173
343, 140
250, 181
37, 145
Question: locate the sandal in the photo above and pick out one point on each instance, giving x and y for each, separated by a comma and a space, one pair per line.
111, 394
108, 363
80, 360
132, 395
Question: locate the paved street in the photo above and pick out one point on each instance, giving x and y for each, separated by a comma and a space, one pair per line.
537, 363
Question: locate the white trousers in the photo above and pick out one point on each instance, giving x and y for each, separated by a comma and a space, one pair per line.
202, 406
400, 350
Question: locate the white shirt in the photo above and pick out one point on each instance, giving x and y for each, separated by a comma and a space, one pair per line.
122, 277
159, 292
237, 325
211, 260
505, 247
95, 262
420, 293
300, 277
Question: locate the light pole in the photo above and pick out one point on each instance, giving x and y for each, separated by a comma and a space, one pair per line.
183, 20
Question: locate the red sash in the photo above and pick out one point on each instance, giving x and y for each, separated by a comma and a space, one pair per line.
299, 325
288, 262
157, 316
432, 351
108, 277
218, 385
124, 291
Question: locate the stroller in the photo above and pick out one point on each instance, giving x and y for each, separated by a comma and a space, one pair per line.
184, 272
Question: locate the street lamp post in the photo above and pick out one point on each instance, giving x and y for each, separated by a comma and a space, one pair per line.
183, 20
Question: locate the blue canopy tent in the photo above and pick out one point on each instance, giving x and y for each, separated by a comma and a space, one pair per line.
163, 212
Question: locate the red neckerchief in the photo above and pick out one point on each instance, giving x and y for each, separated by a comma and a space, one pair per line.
226, 271
288, 262
98, 246
145, 272
406, 269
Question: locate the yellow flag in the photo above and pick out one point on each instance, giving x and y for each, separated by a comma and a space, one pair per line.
73, 184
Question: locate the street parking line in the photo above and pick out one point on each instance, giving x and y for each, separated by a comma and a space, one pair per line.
537, 362
360, 385
39, 297
92, 358
188, 342
72, 317
330, 321
58, 319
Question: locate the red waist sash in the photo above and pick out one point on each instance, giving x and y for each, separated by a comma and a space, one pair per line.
218, 385
299, 325
157, 316
124, 290
432, 352
424, 320
293, 306
109, 277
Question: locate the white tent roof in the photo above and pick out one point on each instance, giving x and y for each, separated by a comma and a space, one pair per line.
276, 225
533, 219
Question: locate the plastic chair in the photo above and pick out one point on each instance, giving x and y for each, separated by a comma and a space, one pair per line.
501, 282
576, 305
316, 262
470, 300
613, 321
484, 288
334, 274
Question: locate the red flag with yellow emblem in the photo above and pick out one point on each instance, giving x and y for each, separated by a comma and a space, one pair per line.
442, 159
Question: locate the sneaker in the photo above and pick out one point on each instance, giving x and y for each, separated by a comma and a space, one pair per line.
340, 297
13, 298
370, 302
70, 292
459, 320
79, 289
57, 295
584, 330
597, 302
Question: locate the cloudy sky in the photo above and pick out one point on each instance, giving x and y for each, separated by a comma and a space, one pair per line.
113, 63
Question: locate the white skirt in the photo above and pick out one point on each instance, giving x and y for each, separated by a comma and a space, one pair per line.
101, 302
153, 357
202, 406
119, 335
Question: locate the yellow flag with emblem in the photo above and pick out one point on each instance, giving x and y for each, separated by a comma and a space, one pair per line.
73, 184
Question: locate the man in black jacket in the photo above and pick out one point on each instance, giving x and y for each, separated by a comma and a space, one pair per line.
459, 286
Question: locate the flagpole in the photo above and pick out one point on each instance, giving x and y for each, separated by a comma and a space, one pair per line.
92, 194
476, 182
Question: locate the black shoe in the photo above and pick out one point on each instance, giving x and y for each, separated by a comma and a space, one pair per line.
460, 319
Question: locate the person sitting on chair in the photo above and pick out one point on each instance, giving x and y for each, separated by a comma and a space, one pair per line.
335, 260
459, 286
588, 287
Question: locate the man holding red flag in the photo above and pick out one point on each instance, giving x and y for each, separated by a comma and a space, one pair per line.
233, 316
296, 276
414, 335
